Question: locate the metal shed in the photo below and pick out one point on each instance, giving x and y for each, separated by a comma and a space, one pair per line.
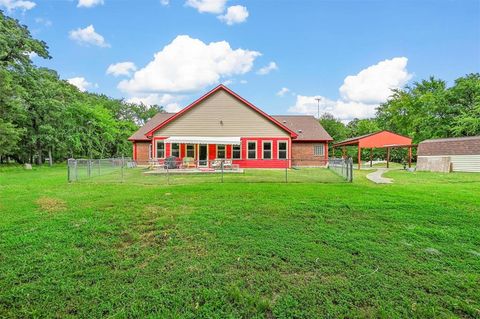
461, 154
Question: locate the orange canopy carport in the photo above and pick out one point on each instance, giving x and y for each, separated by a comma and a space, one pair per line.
382, 139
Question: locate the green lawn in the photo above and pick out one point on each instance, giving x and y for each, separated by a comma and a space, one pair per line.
143, 248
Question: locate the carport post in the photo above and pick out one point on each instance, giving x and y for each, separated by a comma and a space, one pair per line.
359, 157
409, 157
371, 156
388, 157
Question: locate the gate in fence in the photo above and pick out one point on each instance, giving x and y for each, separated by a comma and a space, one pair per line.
342, 166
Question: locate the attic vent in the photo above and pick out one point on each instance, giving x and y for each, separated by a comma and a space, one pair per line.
284, 122
299, 131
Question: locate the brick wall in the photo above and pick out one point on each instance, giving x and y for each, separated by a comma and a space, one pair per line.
461, 146
140, 151
303, 154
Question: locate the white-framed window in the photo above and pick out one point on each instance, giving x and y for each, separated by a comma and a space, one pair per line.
160, 149
236, 151
149, 151
267, 150
190, 150
251, 150
319, 149
175, 150
221, 151
282, 150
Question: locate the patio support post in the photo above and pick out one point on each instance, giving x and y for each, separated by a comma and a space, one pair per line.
409, 157
344, 152
359, 156
388, 157
371, 156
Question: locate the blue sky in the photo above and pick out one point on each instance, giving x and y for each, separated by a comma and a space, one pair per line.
348, 53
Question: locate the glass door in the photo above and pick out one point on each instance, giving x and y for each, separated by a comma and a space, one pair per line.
203, 155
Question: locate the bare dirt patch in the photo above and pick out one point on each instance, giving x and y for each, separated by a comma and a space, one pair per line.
51, 205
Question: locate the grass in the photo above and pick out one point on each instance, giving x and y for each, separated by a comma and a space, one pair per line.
142, 248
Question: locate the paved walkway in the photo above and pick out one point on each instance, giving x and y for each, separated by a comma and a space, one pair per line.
377, 177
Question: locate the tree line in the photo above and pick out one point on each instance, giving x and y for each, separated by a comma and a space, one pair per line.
45, 117
426, 109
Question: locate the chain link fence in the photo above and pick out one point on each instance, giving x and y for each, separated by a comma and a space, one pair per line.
342, 166
175, 171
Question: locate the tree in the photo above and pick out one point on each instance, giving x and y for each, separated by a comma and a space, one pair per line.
333, 126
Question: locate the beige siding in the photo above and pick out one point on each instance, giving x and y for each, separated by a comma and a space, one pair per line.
237, 119
458, 163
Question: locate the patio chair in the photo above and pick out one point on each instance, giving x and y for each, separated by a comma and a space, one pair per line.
188, 162
216, 164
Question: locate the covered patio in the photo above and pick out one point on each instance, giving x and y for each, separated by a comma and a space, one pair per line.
382, 140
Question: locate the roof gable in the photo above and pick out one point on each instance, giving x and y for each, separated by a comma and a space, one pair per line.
231, 93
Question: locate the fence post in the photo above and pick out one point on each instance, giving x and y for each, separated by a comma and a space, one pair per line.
68, 170
123, 159
76, 169
222, 168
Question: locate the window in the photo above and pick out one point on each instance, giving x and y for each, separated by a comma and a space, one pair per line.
175, 150
221, 151
236, 152
282, 150
267, 150
252, 150
160, 149
190, 150
318, 149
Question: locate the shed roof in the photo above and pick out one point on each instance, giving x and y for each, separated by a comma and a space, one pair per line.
468, 145
306, 126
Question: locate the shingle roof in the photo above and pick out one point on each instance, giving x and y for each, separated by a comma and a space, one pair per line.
450, 146
153, 122
306, 126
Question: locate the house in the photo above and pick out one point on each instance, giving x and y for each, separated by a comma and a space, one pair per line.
223, 125
461, 154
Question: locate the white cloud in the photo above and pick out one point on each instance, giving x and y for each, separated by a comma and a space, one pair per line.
168, 101
374, 84
164, 2
234, 14
88, 3
268, 68
45, 22
187, 65
121, 68
360, 94
81, 83
283, 91
207, 6
88, 36
228, 82
11, 5
243, 81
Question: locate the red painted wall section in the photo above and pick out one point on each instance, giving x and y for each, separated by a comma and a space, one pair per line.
382, 139
259, 162
212, 152
183, 150
229, 151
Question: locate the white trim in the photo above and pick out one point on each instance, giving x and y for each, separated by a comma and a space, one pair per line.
322, 146
278, 149
256, 150
263, 149
237, 159
224, 151
206, 160
171, 149
164, 148
226, 140
194, 150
